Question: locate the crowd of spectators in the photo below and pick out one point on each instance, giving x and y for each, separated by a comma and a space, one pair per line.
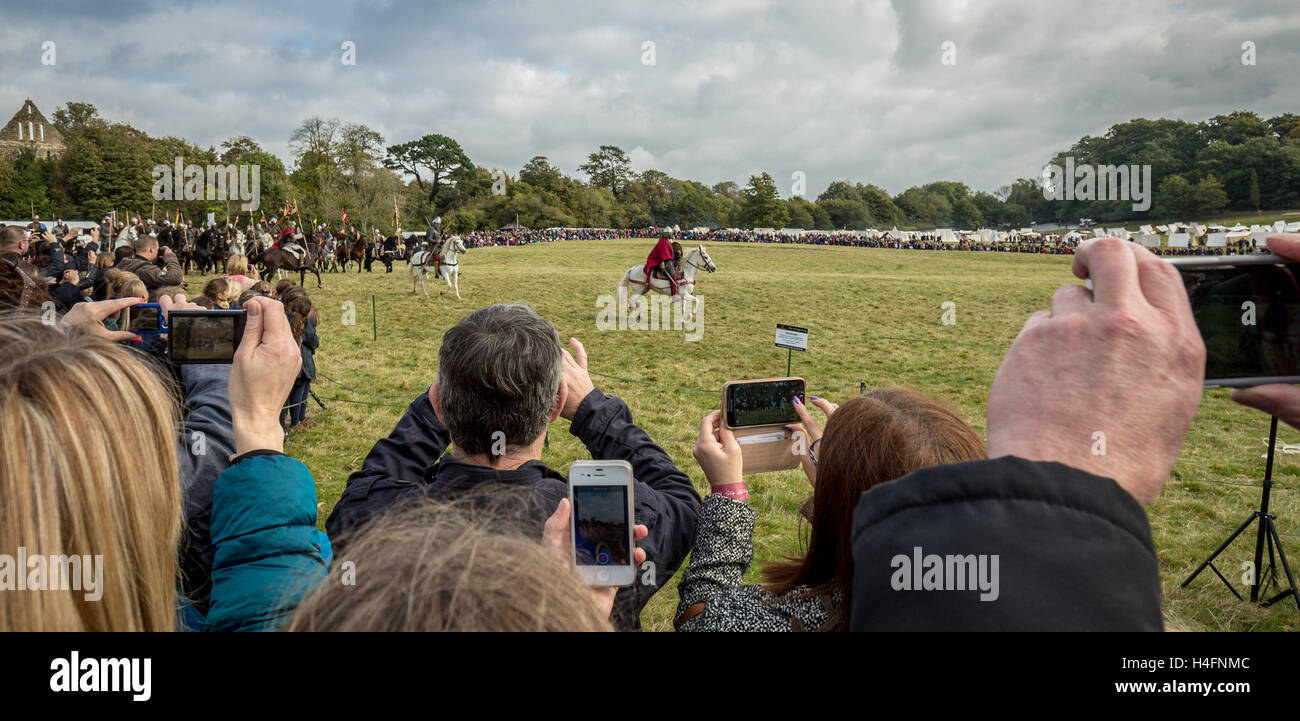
454, 521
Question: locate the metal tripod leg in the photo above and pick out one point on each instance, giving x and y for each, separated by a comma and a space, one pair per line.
1222, 547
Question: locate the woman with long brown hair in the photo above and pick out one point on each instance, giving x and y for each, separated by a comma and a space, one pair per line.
872, 439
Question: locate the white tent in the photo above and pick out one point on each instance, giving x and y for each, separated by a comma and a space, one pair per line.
1178, 240
1149, 240
1216, 240
947, 236
1293, 227
1259, 238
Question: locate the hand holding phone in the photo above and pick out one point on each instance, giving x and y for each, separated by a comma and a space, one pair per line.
265, 365
1278, 399
758, 412
602, 521
557, 535
1247, 309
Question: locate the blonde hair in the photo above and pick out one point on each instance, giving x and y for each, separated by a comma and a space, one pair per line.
237, 265
135, 288
89, 469
441, 567
116, 279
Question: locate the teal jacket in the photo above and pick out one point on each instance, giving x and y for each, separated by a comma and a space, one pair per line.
268, 553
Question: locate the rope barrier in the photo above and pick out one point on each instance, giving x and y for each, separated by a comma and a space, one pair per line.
1212, 525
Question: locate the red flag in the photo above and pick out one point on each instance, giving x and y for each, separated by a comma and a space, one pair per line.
345, 216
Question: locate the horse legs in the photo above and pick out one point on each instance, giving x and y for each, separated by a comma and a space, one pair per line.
455, 276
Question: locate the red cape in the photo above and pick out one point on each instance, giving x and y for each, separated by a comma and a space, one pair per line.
663, 251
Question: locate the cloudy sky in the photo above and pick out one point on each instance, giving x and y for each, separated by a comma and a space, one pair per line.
835, 90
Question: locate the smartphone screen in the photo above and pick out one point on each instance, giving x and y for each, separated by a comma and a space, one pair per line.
1249, 318
205, 336
145, 318
600, 526
763, 403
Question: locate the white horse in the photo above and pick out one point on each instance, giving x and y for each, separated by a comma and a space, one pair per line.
635, 284
449, 268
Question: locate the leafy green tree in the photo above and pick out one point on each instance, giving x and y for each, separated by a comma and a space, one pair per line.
440, 155
1210, 197
966, 215
608, 168
1254, 190
1175, 197
840, 190
880, 207
761, 206
540, 173
800, 213
73, 116
844, 213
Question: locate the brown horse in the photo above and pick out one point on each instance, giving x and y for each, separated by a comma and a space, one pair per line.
354, 253
277, 259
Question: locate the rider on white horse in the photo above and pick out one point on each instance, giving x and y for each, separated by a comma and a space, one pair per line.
665, 257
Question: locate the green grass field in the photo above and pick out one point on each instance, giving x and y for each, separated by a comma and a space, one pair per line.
874, 317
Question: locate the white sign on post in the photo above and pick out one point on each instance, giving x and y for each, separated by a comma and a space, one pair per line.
792, 337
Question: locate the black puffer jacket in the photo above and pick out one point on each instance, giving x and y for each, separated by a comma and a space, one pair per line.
1003, 545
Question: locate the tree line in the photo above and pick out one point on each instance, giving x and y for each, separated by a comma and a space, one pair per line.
1237, 161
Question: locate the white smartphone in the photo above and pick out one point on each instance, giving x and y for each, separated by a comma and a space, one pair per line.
600, 493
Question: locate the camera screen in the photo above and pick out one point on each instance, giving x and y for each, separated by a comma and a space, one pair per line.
204, 336
760, 404
145, 319
1249, 317
600, 526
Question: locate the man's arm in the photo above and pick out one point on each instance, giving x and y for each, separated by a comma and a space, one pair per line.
394, 467
666, 500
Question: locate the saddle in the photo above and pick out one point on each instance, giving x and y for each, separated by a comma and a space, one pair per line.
657, 273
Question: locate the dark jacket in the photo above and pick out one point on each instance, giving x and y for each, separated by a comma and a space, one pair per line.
1073, 552
406, 466
58, 262
310, 342
151, 274
206, 441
